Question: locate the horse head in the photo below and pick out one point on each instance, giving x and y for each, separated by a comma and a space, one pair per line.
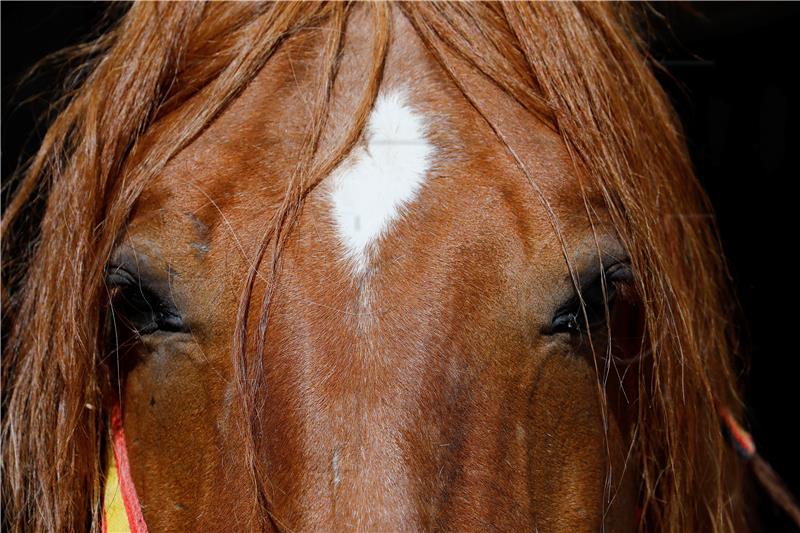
382, 267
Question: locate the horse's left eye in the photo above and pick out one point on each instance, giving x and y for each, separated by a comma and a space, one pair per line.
577, 316
140, 307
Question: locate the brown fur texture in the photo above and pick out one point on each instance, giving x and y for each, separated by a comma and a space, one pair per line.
422, 395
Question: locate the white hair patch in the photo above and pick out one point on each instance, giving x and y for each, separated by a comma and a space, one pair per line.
373, 186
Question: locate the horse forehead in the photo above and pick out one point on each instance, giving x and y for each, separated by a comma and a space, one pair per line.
426, 158
421, 129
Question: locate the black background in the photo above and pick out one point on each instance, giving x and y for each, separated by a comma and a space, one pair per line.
732, 71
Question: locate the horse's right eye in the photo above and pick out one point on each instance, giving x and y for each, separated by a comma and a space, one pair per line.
140, 307
584, 313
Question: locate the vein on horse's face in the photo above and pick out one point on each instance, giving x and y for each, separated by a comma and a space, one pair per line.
379, 179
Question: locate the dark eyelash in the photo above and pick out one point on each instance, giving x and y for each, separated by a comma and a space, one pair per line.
139, 307
589, 311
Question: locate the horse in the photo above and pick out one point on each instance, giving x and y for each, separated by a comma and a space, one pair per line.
328, 266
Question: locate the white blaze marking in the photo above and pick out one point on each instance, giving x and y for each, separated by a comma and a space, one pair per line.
373, 186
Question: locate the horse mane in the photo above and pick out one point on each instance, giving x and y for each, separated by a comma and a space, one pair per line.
581, 68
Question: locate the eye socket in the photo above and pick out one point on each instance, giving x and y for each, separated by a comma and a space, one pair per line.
581, 317
140, 307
